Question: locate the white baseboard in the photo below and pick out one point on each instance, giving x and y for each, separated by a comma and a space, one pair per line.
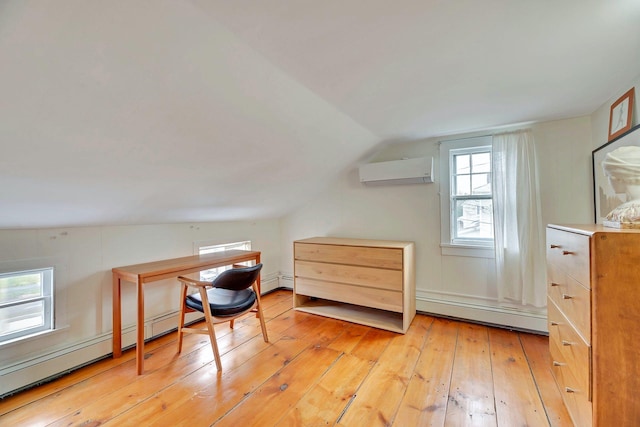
535, 320
286, 281
269, 282
39, 369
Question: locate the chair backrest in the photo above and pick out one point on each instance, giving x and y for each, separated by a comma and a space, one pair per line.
237, 278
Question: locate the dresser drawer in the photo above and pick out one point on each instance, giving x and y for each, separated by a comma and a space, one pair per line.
575, 352
569, 252
575, 397
573, 299
389, 258
354, 275
359, 295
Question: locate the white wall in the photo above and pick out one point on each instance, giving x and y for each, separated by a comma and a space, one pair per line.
449, 285
563, 148
83, 258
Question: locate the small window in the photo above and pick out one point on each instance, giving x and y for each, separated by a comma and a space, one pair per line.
209, 275
471, 200
466, 195
26, 303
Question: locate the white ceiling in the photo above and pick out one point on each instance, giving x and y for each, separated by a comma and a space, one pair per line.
146, 111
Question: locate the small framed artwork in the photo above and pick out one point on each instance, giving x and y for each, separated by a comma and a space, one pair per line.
611, 172
620, 116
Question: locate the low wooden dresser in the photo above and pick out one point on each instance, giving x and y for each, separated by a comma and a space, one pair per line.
371, 282
594, 322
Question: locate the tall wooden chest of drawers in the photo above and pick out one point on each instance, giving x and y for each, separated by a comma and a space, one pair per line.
594, 322
371, 282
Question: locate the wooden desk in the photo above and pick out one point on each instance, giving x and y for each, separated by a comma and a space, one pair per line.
140, 274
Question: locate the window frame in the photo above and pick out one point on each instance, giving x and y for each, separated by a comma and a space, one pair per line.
451, 245
47, 297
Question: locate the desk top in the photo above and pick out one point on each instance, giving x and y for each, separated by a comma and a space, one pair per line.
158, 270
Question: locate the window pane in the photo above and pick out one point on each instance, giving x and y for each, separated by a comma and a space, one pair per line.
481, 184
17, 287
212, 273
463, 185
481, 162
462, 164
22, 317
26, 303
473, 219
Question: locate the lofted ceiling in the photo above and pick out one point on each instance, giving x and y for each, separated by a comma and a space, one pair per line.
148, 111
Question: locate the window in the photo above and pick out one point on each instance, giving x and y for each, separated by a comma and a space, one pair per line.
470, 189
209, 275
26, 303
466, 199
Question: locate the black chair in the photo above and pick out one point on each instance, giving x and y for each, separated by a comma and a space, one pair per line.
233, 293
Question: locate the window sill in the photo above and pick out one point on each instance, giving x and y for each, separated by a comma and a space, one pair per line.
32, 337
448, 249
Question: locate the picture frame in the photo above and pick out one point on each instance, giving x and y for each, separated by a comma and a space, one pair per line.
605, 198
620, 115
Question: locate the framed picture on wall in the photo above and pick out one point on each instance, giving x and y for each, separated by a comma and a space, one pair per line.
620, 116
608, 169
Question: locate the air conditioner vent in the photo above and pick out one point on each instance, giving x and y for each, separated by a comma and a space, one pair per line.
406, 171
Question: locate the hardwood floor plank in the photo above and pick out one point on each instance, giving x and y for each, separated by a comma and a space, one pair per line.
372, 344
265, 406
349, 338
425, 402
205, 396
304, 324
378, 398
471, 398
166, 400
517, 399
537, 352
316, 327
276, 303
107, 407
169, 366
324, 403
178, 392
326, 332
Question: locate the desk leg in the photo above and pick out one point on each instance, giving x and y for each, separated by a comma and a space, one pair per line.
258, 279
258, 284
117, 318
140, 330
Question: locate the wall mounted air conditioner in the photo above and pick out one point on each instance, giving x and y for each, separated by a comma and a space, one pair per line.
405, 171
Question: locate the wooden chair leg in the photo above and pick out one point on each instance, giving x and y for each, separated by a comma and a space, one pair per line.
210, 327
260, 315
183, 307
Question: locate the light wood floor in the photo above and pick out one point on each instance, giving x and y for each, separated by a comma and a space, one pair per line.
314, 372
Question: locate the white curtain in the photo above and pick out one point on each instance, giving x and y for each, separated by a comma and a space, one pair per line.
519, 233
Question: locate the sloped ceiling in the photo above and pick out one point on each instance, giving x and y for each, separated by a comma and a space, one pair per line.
146, 111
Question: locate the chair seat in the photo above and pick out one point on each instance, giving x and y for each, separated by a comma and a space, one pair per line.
223, 302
